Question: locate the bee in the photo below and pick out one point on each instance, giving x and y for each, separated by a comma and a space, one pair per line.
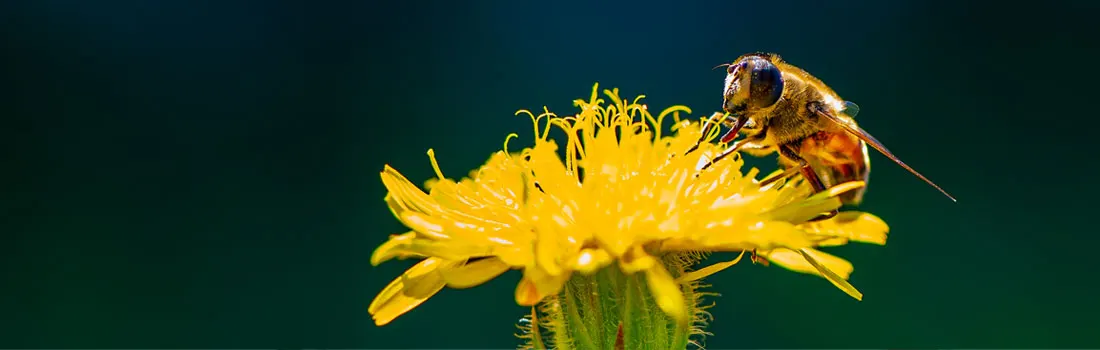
782, 108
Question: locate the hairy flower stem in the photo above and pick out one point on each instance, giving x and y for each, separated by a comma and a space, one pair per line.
614, 310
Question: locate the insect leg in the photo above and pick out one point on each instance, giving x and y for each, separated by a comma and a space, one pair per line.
706, 130
735, 124
807, 173
729, 150
709, 124
785, 174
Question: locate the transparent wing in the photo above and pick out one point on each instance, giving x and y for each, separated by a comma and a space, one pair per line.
850, 108
851, 127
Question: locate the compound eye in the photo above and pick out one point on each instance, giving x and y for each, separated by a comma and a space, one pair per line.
765, 83
736, 67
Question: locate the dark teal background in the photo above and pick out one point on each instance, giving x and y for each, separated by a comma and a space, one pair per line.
205, 174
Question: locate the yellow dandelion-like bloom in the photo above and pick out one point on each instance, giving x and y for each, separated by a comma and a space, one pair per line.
625, 215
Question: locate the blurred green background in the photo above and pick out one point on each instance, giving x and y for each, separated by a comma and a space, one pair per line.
205, 174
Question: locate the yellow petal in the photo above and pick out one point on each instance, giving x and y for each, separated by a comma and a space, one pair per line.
504, 173
840, 189
589, 260
763, 235
457, 226
416, 285
422, 223
851, 225
392, 249
546, 283
552, 174
526, 293
515, 255
409, 244
404, 194
636, 259
709, 270
838, 281
547, 249
473, 273
445, 192
801, 211
666, 292
682, 244
794, 261
429, 183
397, 207
537, 284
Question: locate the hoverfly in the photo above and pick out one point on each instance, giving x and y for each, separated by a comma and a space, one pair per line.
781, 108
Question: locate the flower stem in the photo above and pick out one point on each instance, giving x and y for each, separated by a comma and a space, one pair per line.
582, 333
610, 310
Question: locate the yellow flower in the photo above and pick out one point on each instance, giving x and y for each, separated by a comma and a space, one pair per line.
624, 196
